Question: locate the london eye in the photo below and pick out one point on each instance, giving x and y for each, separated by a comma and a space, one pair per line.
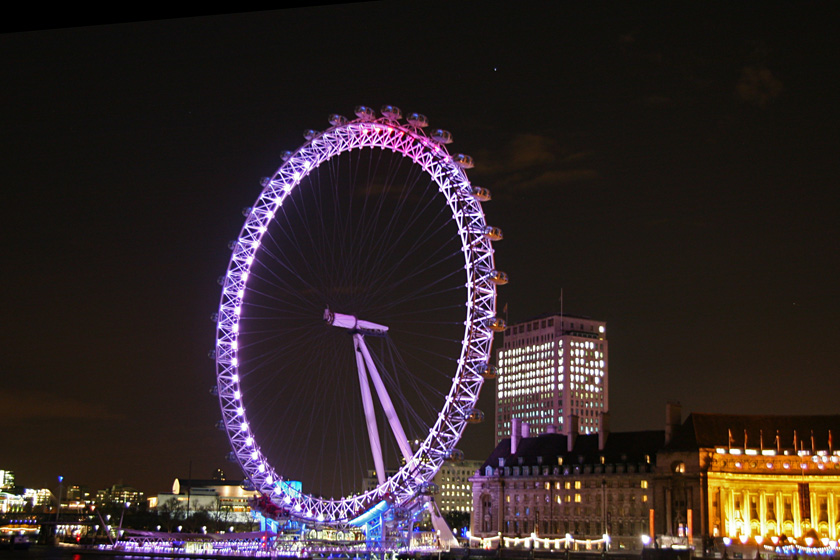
356, 318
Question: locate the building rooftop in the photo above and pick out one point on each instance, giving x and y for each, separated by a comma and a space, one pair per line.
554, 314
620, 447
755, 432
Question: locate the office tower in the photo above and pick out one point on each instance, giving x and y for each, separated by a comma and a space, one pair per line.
553, 375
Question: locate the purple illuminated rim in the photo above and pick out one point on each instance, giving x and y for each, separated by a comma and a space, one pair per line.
480, 310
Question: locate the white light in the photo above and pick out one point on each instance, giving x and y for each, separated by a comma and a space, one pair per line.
244, 426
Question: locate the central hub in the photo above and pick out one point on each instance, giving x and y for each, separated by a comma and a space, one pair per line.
353, 324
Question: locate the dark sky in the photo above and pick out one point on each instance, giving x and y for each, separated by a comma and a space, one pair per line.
674, 170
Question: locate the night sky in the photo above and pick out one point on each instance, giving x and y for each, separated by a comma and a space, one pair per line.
673, 170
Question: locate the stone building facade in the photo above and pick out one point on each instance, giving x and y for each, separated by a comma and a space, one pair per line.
582, 485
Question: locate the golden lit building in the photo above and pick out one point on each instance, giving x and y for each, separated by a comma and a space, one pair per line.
750, 478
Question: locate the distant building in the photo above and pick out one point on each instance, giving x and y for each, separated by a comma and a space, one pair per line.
120, 494
39, 498
550, 368
10, 503
452, 480
226, 500
454, 488
552, 485
371, 481
78, 493
7, 480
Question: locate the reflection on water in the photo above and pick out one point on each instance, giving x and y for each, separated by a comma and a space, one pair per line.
36, 552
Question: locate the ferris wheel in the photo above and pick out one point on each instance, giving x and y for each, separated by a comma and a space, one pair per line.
365, 260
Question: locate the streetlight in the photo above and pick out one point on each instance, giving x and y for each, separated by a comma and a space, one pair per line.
58, 509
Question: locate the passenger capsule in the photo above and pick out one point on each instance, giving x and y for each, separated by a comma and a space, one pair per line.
286, 155
233, 243
496, 324
365, 113
442, 136
231, 457
391, 113
493, 233
214, 391
463, 161
220, 425
309, 134
265, 181
498, 277
214, 317
417, 120
490, 372
211, 354
247, 211
454, 455
337, 120
475, 416
481, 194
221, 280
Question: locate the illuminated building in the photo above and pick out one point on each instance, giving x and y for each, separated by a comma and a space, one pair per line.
454, 490
78, 493
453, 486
7, 480
371, 481
39, 497
119, 494
749, 478
11, 503
225, 500
550, 368
553, 485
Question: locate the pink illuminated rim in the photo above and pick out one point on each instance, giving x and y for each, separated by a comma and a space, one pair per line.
479, 308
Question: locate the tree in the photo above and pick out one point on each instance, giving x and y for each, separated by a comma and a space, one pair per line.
170, 514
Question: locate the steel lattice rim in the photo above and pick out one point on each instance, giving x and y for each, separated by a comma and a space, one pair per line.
452, 182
